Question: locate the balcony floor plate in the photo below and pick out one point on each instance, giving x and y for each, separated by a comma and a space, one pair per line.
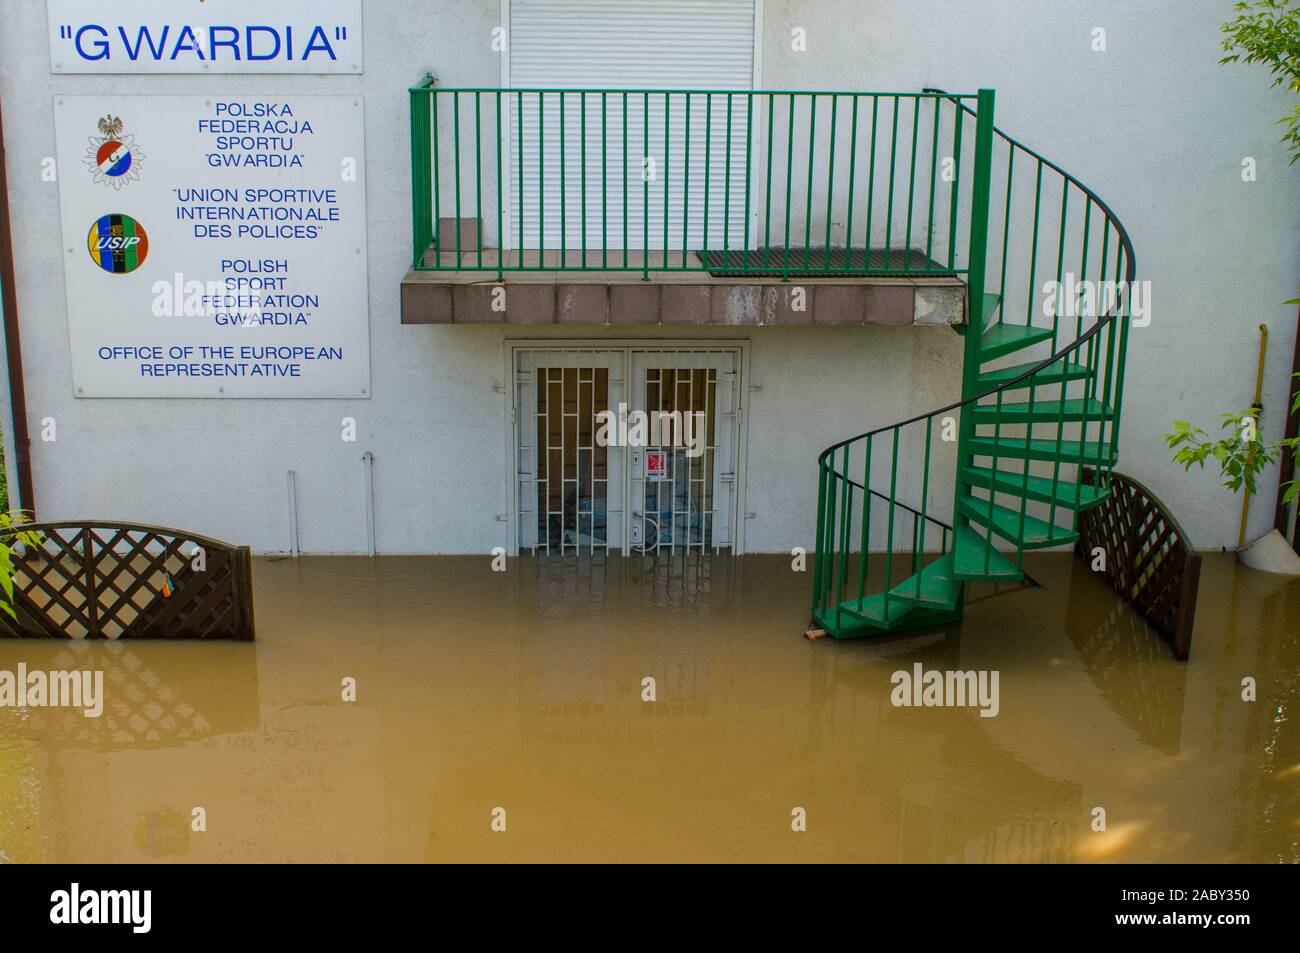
821, 262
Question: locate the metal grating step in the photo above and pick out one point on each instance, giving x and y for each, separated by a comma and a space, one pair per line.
821, 263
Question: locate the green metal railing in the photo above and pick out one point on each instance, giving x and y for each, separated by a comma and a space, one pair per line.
1022, 431
781, 183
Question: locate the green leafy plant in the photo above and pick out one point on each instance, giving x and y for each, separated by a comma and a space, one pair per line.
1240, 456
1268, 32
12, 535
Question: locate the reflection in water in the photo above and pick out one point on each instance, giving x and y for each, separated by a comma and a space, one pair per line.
163, 833
22, 829
1126, 659
1271, 770
1005, 811
524, 690
566, 676
50, 754
159, 702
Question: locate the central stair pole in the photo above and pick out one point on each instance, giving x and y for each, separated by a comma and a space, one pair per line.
975, 287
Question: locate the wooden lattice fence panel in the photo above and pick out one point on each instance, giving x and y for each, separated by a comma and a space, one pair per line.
1149, 560
120, 580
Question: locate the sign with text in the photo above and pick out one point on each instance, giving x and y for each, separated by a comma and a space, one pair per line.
217, 36
214, 246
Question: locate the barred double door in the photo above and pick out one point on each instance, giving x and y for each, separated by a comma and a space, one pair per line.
626, 450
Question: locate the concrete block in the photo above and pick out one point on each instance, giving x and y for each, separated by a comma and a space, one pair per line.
530, 304
780, 304
582, 304
840, 304
472, 304
687, 304
737, 304
890, 304
469, 232
940, 305
426, 303
634, 304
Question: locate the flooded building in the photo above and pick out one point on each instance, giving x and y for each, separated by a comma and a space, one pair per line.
416, 302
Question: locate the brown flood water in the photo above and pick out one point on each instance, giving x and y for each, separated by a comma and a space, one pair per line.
522, 690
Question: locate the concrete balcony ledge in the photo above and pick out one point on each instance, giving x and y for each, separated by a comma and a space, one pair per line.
623, 298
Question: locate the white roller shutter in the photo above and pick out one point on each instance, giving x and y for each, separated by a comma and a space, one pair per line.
672, 46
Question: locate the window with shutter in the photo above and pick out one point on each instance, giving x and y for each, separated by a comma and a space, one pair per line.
658, 160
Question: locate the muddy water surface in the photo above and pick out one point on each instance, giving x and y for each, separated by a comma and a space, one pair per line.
523, 691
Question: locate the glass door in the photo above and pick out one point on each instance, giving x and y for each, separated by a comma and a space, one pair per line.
569, 486
682, 478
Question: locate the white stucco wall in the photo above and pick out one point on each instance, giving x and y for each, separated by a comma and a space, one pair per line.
1154, 125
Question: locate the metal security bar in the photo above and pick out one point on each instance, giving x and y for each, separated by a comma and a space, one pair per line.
684, 484
1051, 277
686, 497
569, 502
734, 182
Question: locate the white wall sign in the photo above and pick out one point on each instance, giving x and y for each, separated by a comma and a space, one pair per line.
216, 36
214, 246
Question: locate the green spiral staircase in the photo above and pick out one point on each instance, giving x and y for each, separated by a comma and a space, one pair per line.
908, 513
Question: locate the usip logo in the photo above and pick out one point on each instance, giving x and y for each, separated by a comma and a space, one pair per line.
113, 158
117, 243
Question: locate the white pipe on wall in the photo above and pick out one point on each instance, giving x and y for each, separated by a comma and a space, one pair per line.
293, 515
368, 472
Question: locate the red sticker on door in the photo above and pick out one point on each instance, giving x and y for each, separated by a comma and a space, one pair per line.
656, 465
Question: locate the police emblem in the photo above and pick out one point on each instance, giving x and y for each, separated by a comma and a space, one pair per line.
113, 157
117, 243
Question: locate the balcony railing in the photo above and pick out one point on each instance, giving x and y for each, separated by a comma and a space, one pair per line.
732, 182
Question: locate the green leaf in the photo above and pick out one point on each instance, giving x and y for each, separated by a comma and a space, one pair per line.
1267, 32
